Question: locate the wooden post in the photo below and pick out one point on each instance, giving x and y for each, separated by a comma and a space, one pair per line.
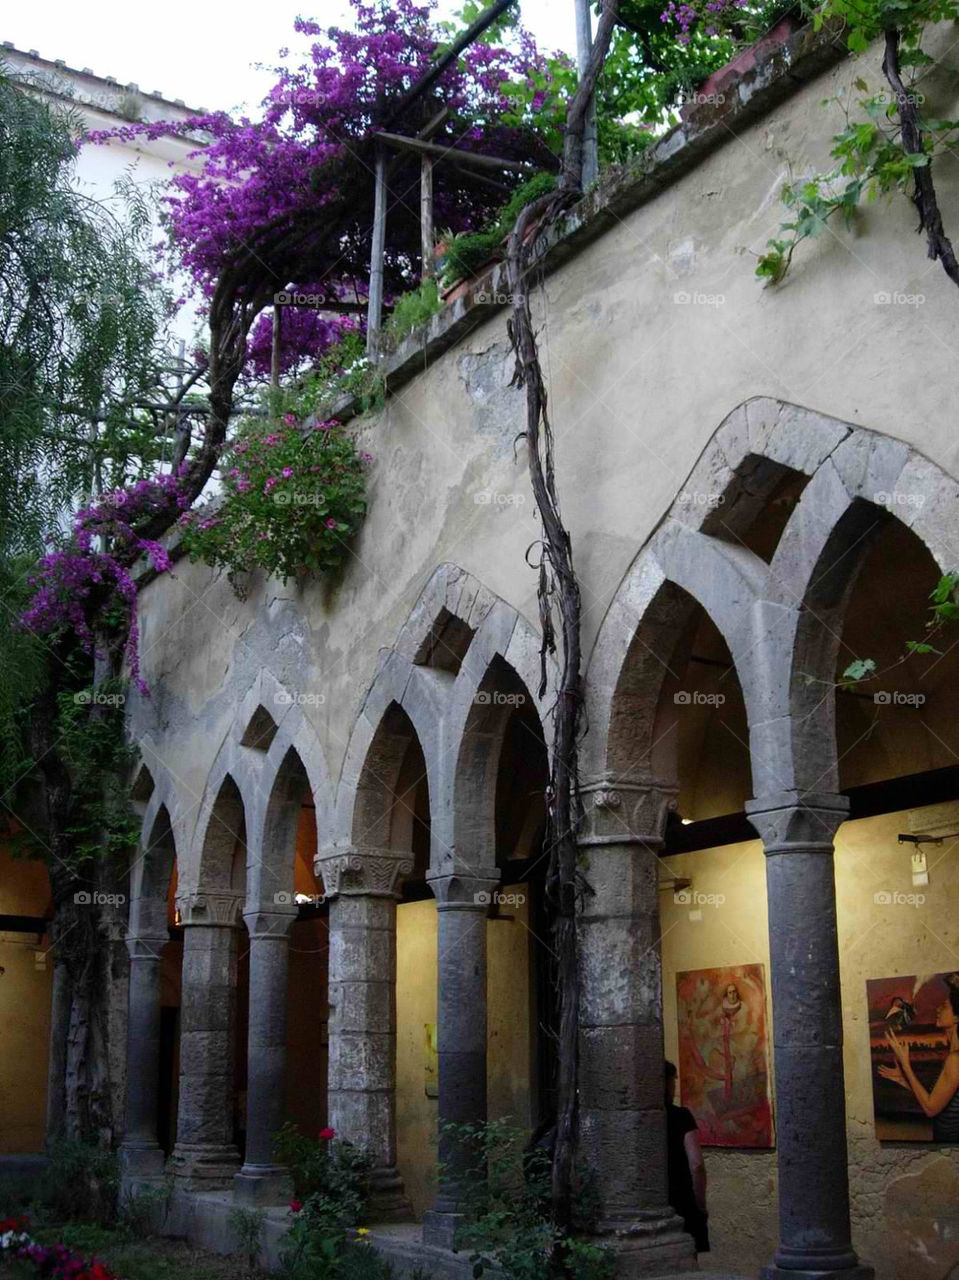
375, 312
426, 216
584, 45
276, 348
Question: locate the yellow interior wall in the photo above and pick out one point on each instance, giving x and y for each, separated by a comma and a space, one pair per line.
509, 1039
875, 941
415, 1007
508, 1016
26, 976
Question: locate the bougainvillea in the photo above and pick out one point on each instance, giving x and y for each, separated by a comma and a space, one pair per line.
85, 585
293, 497
317, 120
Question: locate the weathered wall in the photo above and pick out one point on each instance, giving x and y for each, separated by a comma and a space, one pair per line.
905, 1197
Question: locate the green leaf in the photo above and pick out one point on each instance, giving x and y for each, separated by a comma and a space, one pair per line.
861, 669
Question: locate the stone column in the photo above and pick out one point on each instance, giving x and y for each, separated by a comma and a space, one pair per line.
622, 1085
462, 904
797, 834
205, 1158
141, 1156
361, 884
262, 1180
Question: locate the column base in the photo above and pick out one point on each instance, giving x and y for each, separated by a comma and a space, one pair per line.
652, 1243
388, 1198
201, 1168
141, 1162
861, 1272
440, 1228
260, 1184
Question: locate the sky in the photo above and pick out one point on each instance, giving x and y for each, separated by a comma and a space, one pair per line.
206, 51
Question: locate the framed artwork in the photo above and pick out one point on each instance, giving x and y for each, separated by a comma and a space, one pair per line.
914, 1055
723, 1057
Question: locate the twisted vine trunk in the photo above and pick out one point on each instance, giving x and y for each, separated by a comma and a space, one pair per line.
938, 244
558, 588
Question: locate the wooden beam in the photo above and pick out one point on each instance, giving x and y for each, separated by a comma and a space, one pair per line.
456, 153
463, 41
374, 317
426, 217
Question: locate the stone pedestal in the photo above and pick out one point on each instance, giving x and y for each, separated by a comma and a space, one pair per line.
141, 1157
262, 1180
797, 834
205, 1158
622, 1086
462, 904
361, 884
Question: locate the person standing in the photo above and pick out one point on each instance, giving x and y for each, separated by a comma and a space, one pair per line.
686, 1169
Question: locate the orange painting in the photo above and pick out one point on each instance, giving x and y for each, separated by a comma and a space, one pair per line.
723, 1060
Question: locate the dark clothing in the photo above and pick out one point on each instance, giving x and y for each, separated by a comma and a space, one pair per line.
679, 1122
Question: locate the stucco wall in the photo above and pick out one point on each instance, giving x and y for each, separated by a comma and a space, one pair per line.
905, 1197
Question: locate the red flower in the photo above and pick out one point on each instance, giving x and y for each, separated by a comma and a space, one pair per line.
296, 1206
326, 1134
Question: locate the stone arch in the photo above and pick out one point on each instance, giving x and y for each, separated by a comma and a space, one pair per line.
222, 837
498, 695
780, 620
151, 875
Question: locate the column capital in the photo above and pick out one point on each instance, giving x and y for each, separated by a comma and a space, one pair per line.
470, 890
145, 946
795, 821
273, 921
625, 810
363, 870
217, 908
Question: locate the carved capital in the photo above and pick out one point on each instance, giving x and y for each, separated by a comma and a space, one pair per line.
625, 810
798, 823
465, 891
218, 907
363, 870
275, 921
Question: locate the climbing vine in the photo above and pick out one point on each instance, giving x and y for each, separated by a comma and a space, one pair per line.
893, 148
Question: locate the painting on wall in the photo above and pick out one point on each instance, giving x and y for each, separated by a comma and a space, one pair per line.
914, 1051
723, 1058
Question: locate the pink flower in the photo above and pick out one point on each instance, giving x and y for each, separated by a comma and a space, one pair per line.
287, 472
331, 523
296, 1206
326, 1134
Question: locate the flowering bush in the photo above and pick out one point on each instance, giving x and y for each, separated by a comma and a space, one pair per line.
294, 495
715, 17
78, 581
322, 1165
54, 1261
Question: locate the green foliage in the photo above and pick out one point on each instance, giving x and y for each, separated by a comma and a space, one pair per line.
413, 309
144, 1208
344, 369
81, 317
80, 1184
507, 1200
94, 746
467, 253
324, 1166
870, 158
294, 496
248, 1226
